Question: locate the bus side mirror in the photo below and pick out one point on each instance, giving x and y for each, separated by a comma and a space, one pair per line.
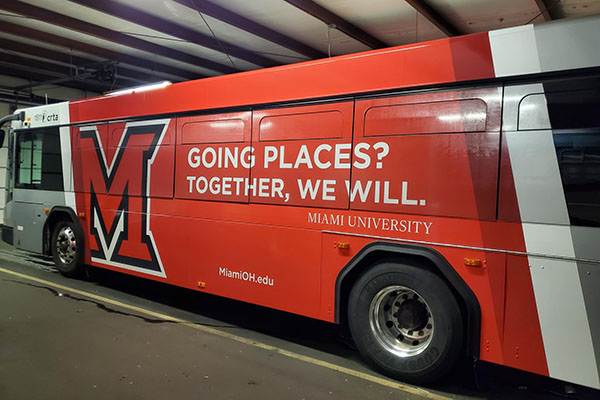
2, 135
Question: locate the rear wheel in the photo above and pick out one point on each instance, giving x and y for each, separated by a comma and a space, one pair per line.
406, 322
67, 249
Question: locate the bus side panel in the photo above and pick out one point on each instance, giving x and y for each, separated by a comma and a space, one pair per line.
438, 154
117, 178
509, 332
523, 345
272, 266
552, 137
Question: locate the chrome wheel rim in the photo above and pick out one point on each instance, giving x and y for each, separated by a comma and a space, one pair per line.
66, 245
401, 321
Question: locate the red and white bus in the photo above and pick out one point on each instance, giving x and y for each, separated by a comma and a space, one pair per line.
442, 199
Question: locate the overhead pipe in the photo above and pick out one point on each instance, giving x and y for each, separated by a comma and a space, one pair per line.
12, 117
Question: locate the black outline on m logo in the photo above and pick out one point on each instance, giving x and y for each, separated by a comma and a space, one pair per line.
109, 240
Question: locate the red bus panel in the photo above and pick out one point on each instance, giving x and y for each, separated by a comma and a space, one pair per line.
309, 172
452, 174
435, 117
214, 157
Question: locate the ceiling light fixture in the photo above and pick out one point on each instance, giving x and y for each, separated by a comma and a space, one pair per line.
139, 89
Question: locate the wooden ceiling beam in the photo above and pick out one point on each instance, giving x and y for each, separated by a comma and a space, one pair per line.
8, 95
51, 17
68, 44
549, 9
58, 73
142, 18
75, 61
342, 25
437, 19
222, 14
42, 77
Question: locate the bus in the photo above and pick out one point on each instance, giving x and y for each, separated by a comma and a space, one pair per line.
440, 199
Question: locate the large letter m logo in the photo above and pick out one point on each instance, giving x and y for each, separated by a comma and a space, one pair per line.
117, 162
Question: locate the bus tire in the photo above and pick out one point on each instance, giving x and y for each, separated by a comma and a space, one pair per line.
406, 322
66, 246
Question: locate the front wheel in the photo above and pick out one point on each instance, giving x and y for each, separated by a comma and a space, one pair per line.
67, 249
406, 322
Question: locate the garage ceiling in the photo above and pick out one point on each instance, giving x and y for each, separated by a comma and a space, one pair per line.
103, 45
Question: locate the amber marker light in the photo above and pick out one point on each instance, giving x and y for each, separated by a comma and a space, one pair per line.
473, 262
81, 215
201, 285
343, 245
46, 210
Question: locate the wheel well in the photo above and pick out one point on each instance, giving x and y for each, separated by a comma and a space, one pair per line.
418, 256
56, 216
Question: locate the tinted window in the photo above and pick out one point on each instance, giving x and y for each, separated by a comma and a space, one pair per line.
572, 103
39, 164
434, 117
214, 131
577, 109
573, 108
579, 162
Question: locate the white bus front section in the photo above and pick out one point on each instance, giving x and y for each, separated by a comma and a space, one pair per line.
27, 205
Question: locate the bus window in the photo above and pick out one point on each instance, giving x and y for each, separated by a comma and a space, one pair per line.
436, 117
115, 158
213, 130
25, 157
303, 155
213, 157
562, 113
579, 164
575, 125
573, 109
301, 126
39, 160
428, 154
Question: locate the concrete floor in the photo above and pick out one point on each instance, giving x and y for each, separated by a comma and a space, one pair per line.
58, 347
57, 344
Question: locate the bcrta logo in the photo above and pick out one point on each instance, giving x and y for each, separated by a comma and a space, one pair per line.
126, 180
